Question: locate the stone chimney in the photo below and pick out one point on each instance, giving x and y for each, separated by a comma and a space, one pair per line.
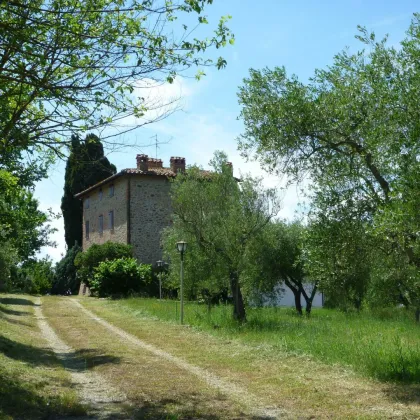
155, 163
177, 164
142, 162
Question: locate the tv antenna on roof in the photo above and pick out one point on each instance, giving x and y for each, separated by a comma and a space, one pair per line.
155, 137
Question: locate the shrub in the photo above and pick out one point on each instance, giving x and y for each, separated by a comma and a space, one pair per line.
65, 277
87, 261
121, 276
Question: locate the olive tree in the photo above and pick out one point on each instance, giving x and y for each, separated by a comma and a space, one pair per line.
223, 216
353, 130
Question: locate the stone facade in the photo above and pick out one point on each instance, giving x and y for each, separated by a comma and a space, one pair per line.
140, 206
150, 213
102, 203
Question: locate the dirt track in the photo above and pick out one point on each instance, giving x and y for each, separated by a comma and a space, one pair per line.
102, 399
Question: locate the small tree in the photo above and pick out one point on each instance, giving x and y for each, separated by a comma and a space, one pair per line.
223, 216
279, 258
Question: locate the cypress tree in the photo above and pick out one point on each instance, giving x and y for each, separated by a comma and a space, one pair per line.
86, 166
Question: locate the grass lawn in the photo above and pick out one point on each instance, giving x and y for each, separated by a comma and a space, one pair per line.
33, 384
384, 345
306, 367
299, 368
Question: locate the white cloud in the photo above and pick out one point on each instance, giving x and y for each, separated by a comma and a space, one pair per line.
161, 100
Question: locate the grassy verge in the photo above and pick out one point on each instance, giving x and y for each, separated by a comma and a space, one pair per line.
384, 345
33, 384
301, 385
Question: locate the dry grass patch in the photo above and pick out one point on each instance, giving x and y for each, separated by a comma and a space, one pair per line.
303, 387
33, 384
154, 387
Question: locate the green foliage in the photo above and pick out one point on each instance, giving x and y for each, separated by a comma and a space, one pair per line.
23, 227
381, 344
88, 260
34, 277
220, 216
353, 130
279, 256
65, 276
99, 51
8, 259
120, 276
340, 253
86, 166
200, 270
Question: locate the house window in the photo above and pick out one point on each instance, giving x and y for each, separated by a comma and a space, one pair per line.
87, 229
86, 202
101, 224
100, 194
111, 190
111, 220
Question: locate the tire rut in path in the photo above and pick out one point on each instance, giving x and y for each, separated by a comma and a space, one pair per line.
251, 401
101, 398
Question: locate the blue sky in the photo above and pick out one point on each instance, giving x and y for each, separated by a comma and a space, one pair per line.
300, 35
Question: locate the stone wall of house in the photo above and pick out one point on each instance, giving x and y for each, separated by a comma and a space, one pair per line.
102, 206
150, 209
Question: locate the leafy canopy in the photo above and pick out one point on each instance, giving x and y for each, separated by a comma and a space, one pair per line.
353, 131
71, 66
222, 216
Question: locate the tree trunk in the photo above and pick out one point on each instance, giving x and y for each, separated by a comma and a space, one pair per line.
418, 315
238, 302
308, 307
297, 294
308, 299
298, 304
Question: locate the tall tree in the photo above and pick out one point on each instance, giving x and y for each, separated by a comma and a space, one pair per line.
72, 66
24, 228
223, 217
353, 129
86, 166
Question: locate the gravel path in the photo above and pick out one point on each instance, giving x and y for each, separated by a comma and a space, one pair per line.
103, 400
254, 404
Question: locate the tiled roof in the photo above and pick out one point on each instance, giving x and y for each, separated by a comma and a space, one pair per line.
129, 171
151, 171
166, 172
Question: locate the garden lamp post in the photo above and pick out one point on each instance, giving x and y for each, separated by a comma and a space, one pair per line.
160, 264
182, 247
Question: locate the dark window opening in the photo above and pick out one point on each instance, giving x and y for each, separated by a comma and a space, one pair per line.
101, 224
111, 220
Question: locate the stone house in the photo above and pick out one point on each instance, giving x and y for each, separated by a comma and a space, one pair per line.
131, 207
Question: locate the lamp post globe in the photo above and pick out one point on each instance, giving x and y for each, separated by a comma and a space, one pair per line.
181, 246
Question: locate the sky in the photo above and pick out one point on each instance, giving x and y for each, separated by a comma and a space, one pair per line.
301, 35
